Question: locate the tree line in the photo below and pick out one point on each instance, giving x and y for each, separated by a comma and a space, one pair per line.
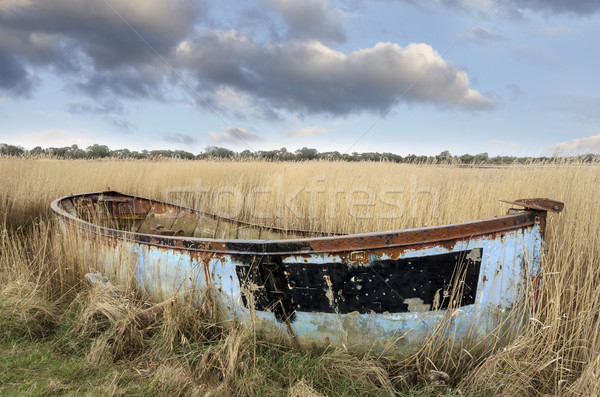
97, 151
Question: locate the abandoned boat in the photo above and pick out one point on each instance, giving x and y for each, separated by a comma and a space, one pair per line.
379, 292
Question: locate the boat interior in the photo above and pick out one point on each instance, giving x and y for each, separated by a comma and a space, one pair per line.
139, 215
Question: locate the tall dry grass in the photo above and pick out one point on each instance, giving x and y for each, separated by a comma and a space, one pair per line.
558, 355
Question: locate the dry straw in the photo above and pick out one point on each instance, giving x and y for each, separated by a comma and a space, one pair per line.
558, 354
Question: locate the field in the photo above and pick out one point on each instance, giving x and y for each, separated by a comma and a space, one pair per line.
60, 337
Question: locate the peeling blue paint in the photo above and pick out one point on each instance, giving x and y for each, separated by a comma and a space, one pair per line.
506, 265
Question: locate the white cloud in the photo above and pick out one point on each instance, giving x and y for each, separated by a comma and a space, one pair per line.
590, 144
50, 138
233, 135
311, 19
553, 31
310, 77
505, 146
481, 34
309, 131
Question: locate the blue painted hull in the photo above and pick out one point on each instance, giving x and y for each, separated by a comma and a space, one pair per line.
327, 281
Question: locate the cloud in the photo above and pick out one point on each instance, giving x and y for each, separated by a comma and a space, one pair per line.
506, 146
590, 144
89, 43
482, 34
180, 138
553, 31
53, 137
106, 107
515, 90
310, 19
576, 107
241, 105
89, 46
307, 77
577, 7
309, 131
15, 79
519, 7
235, 135
122, 124
112, 111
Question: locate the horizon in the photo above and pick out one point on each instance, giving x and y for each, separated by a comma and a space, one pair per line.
68, 152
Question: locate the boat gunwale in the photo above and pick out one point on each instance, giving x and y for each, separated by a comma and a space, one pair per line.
402, 238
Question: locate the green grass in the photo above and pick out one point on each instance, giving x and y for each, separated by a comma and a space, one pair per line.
35, 368
57, 363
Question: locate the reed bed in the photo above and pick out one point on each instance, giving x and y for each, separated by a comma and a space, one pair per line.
179, 350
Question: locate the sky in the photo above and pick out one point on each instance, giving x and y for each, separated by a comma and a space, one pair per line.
506, 77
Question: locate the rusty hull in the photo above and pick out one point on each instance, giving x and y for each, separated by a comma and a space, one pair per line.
380, 292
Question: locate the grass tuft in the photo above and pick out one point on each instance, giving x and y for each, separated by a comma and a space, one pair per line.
25, 311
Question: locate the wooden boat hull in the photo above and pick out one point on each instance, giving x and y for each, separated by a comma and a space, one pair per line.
380, 292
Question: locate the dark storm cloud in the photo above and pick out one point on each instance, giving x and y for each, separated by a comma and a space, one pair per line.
308, 77
14, 78
130, 82
89, 42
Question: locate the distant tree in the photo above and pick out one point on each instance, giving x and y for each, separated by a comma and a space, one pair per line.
161, 154
121, 153
444, 157
335, 155
247, 154
268, 154
411, 158
371, 156
284, 155
588, 158
394, 158
481, 158
219, 152
137, 155
355, 156
466, 158
74, 152
98, 151
37, 151
502, 160
306, 154
182, 154
11, 150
